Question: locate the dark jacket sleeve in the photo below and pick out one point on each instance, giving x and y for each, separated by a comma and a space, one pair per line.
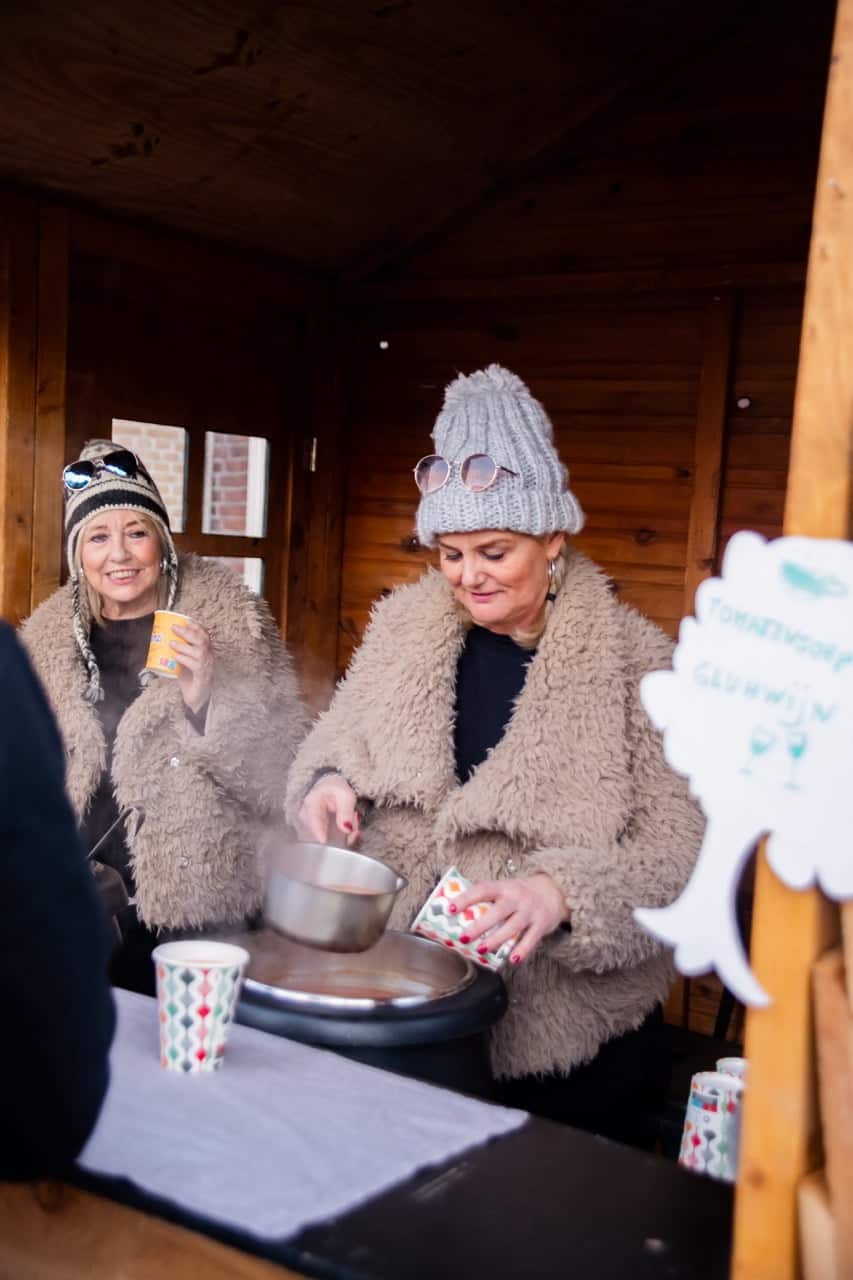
57, 1007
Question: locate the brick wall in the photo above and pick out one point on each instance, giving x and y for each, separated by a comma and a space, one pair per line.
163, 451
228, 479
227, 490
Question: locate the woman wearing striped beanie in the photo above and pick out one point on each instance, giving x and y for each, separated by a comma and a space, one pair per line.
177, 777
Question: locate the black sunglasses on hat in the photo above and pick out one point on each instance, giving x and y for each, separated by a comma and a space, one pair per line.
121, 463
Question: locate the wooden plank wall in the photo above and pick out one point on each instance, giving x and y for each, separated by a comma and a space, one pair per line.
620, 380
100, 318
165, 331
620, 377
33, 314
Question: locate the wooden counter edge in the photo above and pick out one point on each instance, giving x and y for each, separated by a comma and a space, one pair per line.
54, 1231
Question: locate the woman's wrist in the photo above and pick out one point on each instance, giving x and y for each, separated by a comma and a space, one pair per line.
565, 923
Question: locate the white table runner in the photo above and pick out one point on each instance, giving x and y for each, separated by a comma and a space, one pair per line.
281, 1137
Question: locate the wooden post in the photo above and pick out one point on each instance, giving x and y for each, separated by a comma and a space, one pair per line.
790, 930
50, 402
18, 339
316, 506
711, 414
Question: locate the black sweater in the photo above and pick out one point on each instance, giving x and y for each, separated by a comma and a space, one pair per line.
490, 674
58, 1015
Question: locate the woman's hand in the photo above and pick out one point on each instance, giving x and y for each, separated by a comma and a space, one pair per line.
526, 909
331, 799
195, 676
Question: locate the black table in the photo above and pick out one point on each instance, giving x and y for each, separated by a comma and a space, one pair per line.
544, 1201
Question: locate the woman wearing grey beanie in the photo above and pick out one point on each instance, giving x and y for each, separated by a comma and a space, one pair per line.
490, 720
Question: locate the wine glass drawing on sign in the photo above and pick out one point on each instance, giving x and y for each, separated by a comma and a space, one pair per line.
797, 742
760, 741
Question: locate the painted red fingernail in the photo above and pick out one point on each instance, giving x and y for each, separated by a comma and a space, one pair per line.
452, 908
516, 959
482, 951
464, 938
347, 826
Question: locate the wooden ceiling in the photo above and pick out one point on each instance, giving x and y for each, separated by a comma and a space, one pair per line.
333, 133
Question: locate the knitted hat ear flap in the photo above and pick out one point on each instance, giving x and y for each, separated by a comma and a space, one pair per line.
93, 692
172, 571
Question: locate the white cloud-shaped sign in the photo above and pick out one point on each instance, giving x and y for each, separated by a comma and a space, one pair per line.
758, 713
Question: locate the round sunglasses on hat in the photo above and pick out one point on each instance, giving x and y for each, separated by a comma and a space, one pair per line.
121, 462
477, 472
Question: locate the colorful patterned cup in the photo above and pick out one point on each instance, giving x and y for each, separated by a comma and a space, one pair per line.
198, 983
711, 1138
436, 921
161, 657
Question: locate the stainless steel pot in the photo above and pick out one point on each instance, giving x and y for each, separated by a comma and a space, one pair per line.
406, 1005
326, 897
401, 971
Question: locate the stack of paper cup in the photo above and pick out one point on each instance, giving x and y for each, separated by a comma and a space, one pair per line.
198, 983
711, 1137
733, 1067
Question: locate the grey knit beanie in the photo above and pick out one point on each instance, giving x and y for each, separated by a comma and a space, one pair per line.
493, 412
108, 492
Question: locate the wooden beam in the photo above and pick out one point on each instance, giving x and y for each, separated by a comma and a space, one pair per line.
790, 930
817, 1228
573, 285
221, 544
781, 1138
52, 1231
834, 1029
50, 402
711, 416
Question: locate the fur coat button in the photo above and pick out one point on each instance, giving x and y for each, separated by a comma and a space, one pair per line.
175, 761
511, 866
183, 863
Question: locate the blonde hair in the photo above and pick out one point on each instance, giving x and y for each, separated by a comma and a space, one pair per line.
529, 639
93, 600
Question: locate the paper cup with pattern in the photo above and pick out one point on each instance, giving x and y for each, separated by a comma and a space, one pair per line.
436, 921
710, 1140
161, 657
198, 983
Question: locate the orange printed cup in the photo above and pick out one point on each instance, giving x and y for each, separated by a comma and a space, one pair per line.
161, 657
